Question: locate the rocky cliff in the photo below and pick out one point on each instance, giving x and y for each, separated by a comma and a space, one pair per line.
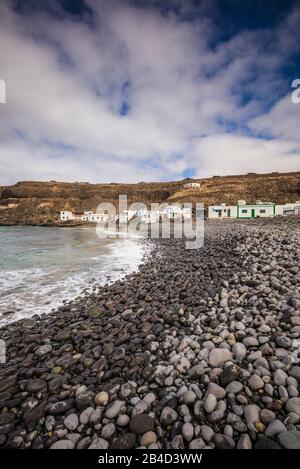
40, 202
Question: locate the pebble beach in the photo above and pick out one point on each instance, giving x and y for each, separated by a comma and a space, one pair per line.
199, 349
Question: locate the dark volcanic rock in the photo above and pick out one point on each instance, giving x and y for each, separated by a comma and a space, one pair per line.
140, 424
60, 407
266, 443
229, 374
192, 351
126, 441
36, 385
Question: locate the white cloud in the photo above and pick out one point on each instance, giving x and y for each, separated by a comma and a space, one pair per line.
66, 81
233, 154
281, 122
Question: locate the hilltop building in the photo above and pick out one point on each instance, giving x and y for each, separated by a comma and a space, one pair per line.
191, 185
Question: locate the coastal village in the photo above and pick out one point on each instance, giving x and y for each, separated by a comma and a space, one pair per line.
150, 231
171, 212
240, 210
195, 349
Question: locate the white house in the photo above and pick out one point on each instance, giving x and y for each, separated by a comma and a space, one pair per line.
258, 210
98, 217
86, 214
191, 185
288, 209
66, 215
90, 216
242, 210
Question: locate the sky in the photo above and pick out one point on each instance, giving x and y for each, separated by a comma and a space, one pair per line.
130, 91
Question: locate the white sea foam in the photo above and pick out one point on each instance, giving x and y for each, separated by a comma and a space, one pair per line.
40, 290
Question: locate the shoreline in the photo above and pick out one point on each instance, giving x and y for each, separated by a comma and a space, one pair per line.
49, 225
192, 351
113, 259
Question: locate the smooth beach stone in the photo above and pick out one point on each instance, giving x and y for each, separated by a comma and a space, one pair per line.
234, 387
293, 405
71, 422
218, 356
101, 398
275, 427
251, 413
255, 382
123, 420
207, 433
290, 439
63, 444
140, 424
99, 443
114, 409
168, 416
280, 377
210, 403
125, 441
148, 438
94, 312
197, 443
86, 415
267, 416
216, 390
223, 441
244, 442
188, 431
266, 443
229, 374
239, 351
108, 431
43, 350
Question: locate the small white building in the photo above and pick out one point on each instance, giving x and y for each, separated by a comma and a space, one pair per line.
98, 217
191, 185
66, 215
242, 210
288, 209
88, 216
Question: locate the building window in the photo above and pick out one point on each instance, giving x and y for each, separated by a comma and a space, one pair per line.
262, 210
244, 211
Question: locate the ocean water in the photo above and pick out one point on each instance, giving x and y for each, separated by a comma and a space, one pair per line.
40, 267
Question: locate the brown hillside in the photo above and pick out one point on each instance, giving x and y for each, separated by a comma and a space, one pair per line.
41, 202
